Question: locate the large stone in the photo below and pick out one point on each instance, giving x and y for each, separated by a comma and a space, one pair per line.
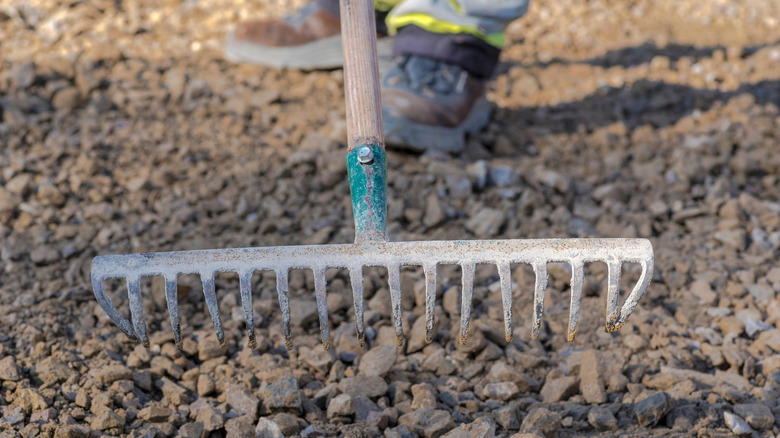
283, 395
367, 386
378, 361
652, 409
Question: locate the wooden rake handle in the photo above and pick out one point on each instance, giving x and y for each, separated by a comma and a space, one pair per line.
361, 74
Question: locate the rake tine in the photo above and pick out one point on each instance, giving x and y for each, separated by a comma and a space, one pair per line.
540, 269
283, 291
505, 276
137, 309
110, 309
173, 307
210, 294
467, 289
613, 292
577, 279
322, 304
430, 300
356, 278
245, 284
633, 298
394, 280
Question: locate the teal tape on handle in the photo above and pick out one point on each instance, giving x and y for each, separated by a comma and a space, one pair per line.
368, 189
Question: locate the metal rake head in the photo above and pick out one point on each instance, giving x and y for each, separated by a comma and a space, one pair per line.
392, 255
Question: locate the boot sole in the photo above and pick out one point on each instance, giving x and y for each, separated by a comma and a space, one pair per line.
318, 55
402, 133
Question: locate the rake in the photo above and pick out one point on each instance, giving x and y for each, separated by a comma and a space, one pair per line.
367, 173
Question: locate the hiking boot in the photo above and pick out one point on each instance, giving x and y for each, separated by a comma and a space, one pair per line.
309, 40
429, 104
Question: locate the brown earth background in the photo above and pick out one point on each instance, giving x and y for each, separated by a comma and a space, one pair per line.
124, 130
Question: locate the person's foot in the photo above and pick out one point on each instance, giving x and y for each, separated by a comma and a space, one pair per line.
431, 105
309, 40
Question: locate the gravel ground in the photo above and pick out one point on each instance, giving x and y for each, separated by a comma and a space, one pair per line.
124, 130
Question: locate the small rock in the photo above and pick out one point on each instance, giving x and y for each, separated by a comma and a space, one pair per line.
302, 312
591, 382
363, 406
367, 386
112, 373
9, 370
205, 385
602, 419
312, 431
283, 395
192, 430
735, 239
340, 406
702, 290
155, 413
439, 423
757, 415
737, 425
317, 359
652, 409
486, 222
559, 389
239, 427
267, 428
173, 392
506, 417
211, 418
243, 402
543, 420
378, 361
500, 391
402, 431
479, 428
72, 431
287, 423
30, 400
434, 213
44, 416
107, 419
209, 348
423, 396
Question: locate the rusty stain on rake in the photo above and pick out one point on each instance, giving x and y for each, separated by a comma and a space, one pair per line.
367, 172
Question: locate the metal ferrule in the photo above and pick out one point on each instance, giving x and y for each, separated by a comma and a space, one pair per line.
368, 188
